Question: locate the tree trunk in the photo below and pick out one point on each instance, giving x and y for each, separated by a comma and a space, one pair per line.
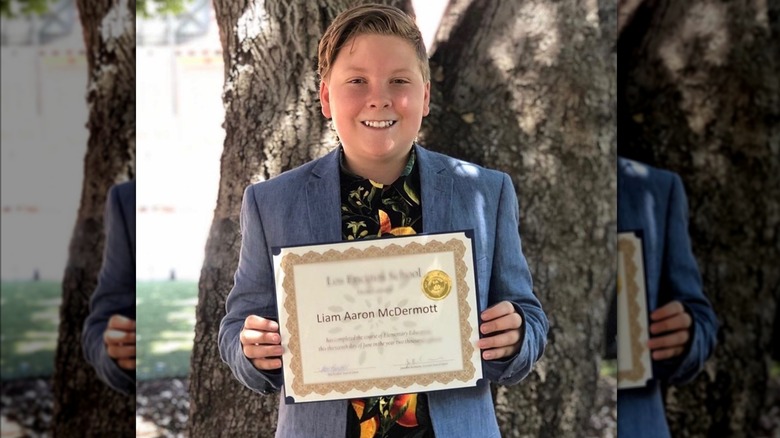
273, 122
527, 87
699, 94
83, 405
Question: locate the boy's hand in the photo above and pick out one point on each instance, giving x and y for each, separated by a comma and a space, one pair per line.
503, 325
674, 323
260, 340
119, 338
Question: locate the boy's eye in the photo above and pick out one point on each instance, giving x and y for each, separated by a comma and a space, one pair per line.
356, 81
400, 81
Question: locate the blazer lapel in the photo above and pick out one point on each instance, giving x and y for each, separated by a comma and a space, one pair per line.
323, 198
437, 192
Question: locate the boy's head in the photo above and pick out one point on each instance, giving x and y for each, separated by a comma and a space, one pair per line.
374, 87
370, 19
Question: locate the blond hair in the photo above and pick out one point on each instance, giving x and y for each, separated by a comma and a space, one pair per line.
370, 19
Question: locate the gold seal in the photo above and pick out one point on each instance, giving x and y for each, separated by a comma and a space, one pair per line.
436, 285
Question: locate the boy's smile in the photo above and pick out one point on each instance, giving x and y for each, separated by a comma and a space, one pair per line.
377, 98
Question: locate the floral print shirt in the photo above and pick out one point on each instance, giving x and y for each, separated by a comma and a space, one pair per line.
372, 210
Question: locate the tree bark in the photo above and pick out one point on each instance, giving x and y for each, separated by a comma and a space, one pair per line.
273, 122
83, 405
529, 88
699, 94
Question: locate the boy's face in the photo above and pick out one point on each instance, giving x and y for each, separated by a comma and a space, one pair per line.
376, 96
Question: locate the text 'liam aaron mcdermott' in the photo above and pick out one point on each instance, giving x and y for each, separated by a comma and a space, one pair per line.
379, 313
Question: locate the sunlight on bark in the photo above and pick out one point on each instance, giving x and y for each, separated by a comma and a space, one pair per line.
762, 17
704, 28
252, 23
116, 22
535, 29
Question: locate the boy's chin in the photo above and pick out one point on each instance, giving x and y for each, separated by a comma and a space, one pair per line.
382, 148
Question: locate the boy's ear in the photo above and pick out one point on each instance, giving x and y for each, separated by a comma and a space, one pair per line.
325, 99
427, 99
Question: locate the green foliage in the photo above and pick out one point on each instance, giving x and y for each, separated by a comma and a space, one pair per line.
144, 8
609, 368
17, 8
151, 8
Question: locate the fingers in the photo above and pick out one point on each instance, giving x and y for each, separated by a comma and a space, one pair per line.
121, 351
260, 341
511, 321
267, 364
502, 323
675, 339
680, 321
673, 323
255, 322
497, 311
120, 322
264, 357
667, 353
255, 337
668, 310
668, 346
126, 364
501, 345
118, 337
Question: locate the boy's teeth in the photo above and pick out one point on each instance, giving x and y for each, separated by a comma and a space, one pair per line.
382, 124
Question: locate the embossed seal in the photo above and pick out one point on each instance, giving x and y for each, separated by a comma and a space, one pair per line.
436, 285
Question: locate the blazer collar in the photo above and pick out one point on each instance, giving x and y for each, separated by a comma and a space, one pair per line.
323, 198
437, 191
323, 195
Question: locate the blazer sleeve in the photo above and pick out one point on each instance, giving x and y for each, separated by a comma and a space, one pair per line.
511, 280
115, 294
680, 280
252, 294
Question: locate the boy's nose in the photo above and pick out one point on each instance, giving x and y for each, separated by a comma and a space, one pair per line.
379, 98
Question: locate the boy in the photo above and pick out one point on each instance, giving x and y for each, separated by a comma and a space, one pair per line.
375, 86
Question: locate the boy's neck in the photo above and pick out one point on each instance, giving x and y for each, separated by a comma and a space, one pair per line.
383, 172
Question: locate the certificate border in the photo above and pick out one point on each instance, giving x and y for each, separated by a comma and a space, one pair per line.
627, 251
289, 261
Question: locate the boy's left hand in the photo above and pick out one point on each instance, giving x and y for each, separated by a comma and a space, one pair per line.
503, 325
670, 329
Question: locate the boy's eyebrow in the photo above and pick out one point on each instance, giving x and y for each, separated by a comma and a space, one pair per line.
365, 70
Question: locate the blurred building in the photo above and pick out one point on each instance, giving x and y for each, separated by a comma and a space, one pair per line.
179, 139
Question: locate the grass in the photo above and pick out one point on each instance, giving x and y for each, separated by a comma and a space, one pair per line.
29, 316
165, 313
609, 367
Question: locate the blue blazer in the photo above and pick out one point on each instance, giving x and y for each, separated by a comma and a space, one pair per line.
115, 292
653, 201
302, 206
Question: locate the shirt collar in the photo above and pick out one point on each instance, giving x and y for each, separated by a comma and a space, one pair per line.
404, 173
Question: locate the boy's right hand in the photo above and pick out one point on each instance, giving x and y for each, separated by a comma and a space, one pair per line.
119, 339
261, 342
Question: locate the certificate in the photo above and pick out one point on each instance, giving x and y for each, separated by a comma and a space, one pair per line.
378, 317
633, 357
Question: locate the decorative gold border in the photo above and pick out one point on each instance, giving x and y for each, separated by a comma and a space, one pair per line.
289, 261
626, 251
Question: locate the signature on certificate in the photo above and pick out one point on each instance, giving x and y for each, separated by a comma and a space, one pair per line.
424, 362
